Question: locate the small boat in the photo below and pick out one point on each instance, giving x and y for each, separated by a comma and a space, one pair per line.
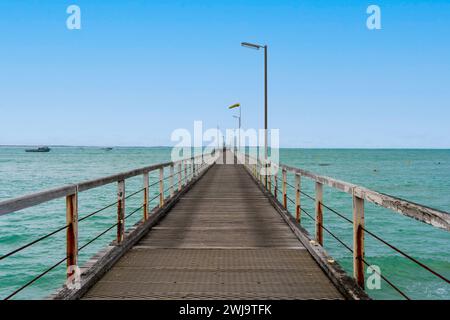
40, 149
107, 149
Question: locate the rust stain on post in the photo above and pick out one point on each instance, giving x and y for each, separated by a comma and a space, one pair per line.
358, 240
72, 232
319, 213
120, 210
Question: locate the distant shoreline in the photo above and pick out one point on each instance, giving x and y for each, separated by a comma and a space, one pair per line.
161, 147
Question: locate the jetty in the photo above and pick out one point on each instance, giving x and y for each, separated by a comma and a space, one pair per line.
222, 229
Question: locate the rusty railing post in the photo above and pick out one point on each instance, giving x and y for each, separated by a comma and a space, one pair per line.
298, 213
270, 178
180, 177
146, 192
120, 210
319, 213
72, 233
358, 239
284, 188
171, 180
161, 187
275, 189
185, 173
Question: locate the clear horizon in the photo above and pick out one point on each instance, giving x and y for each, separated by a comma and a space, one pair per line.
138, 70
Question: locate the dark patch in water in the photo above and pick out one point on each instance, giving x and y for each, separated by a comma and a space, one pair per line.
324, 164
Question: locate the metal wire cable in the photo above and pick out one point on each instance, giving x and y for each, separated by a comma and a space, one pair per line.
33, 242
386, 279
98, 211
407, 256
133, 212
134, 193
98, 236
365, 262
35, 279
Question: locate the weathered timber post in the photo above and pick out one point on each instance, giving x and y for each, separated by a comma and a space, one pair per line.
146, 192
171, 180
298, 213
270, 179
284, 188
180, 177
275, 190
358, 240
120, 210
72, 233
185, 173
161, 187
319, 213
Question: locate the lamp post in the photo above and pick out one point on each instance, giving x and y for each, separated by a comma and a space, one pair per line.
239, 117
257, 47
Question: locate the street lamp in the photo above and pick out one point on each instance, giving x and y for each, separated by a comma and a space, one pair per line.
257, 47
237, 105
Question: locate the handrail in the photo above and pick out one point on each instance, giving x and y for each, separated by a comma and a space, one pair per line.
30, 200
436, 218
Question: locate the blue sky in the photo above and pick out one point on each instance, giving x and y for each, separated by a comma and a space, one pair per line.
140, 69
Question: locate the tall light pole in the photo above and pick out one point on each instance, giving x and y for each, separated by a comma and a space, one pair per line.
257, 47
237, 105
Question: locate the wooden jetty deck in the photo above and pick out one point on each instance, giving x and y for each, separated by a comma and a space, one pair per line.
219, 231
222, 240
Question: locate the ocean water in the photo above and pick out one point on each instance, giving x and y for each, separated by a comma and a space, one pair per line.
422, 176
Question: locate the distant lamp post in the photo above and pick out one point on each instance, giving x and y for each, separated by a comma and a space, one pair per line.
239, 117
257, 47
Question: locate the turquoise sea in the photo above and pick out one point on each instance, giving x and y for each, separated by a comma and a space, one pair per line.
422, 176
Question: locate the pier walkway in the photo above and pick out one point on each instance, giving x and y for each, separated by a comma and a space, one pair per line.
219, 231
222, 240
